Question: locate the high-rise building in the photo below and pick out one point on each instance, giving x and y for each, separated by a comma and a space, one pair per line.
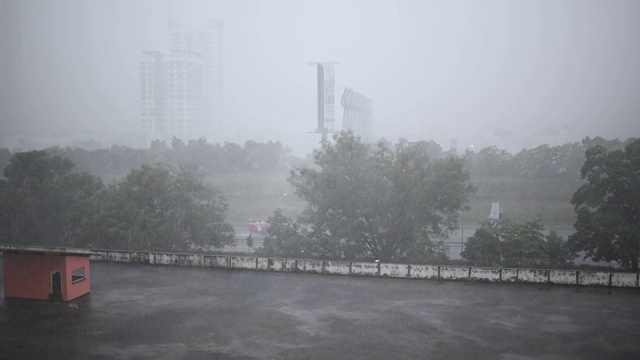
183, 102
181, 91
206, 40
152, 93
10, 67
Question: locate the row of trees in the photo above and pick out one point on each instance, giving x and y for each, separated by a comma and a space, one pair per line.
387, 202
44, 202
396, 203
118, 161
510, 244
544, 161
607, 226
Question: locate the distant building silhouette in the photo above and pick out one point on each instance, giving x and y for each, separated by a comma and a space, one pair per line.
181, 91
10, 64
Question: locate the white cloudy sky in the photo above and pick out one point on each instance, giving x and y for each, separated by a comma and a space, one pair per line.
434, 69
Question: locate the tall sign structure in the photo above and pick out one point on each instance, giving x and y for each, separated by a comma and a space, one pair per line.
358, 114
326, 98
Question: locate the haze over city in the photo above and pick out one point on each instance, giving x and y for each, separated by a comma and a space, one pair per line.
513, 74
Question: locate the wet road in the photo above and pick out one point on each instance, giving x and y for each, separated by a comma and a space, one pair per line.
153, 312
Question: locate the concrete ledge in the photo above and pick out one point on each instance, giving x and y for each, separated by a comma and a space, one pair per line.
485, 274
394, 270
337, 267
216, 261
405, 271
365, 269
424, 272
311, 266
454, 273
509, 275
594, 278
534, 276
243, 262
563, 277
624, 280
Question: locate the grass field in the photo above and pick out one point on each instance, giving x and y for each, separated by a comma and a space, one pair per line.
252, 195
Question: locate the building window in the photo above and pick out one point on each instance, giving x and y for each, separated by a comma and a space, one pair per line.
77, 275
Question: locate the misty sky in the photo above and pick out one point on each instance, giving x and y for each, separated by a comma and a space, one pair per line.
434, 69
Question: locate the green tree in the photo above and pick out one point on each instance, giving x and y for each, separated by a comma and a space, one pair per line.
157, 209
558, 251
511, 244
483, 248
608, 206
42, 202
5, 158
386, 202
523, 244
286, 238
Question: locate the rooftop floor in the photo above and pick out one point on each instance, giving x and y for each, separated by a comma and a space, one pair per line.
162, 312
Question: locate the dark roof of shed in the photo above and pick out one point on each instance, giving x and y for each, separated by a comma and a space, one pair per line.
45, 250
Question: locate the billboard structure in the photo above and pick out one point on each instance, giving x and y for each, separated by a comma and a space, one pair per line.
358, 114
326, 98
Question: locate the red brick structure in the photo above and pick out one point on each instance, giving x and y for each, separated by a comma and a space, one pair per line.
45, 273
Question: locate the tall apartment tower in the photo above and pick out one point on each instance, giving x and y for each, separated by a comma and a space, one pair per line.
152, 93
181, 90
207, 41
10, 65
184, 95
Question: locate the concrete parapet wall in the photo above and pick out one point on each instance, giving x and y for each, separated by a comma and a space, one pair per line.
563, 277
424, 272
624, 280
429, 272
509, 275
311, 266
485, 274
337, 267
394, 270
534, 276
243, 262
216, 261
594, 278
360, 268
454, 273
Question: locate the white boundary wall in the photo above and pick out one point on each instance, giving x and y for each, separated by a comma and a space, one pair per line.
430, 272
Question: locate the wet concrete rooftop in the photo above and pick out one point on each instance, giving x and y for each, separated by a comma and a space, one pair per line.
154, 312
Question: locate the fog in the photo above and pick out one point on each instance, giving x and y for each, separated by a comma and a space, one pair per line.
510, 73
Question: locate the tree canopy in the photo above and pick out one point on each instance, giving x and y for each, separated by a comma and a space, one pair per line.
156, 208
383, 201
608, 206
511, 244
44, 202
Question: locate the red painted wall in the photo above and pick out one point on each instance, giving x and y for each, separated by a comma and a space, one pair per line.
70, 290
28, 276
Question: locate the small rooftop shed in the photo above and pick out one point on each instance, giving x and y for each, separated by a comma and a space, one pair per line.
45, 273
